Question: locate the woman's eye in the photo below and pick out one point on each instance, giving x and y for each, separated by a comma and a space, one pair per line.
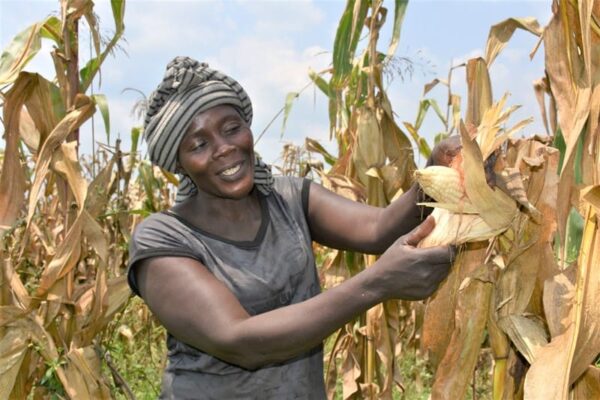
199, 145
232, 129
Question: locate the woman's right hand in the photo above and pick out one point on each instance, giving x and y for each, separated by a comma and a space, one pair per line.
410, 273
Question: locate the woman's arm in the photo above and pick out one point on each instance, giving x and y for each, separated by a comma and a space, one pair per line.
341, 223
200, 310
344, 224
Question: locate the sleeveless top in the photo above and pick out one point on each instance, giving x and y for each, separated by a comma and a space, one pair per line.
274, 270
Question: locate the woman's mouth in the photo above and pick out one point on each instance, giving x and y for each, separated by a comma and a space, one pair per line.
231, 171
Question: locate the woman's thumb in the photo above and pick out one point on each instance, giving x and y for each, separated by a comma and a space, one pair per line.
420, 232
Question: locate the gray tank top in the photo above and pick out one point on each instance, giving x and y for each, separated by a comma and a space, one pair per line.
276, 269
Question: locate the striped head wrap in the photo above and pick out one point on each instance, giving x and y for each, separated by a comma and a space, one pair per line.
188, 88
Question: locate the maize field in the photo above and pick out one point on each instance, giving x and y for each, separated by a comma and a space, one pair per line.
523, 211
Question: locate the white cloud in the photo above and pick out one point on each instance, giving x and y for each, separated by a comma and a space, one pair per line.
283, 17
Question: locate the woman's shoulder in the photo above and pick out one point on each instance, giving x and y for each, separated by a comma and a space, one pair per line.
290, 186
157, 226
294, 191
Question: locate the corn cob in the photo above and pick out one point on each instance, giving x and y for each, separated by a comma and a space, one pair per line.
457, 221
444, 184
451, 228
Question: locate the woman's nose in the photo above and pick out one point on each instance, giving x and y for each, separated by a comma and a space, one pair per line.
222, 148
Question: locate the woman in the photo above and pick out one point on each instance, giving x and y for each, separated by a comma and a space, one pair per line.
229, 270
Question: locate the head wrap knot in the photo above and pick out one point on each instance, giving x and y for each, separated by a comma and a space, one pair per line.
188, 88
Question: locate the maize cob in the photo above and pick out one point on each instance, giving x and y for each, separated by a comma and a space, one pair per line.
444, 184
451, 228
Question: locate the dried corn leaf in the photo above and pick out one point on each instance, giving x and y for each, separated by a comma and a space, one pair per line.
368, 150
456, 368
585, 17
501, 33
587, 319
479, 90
512, 183
517, 281
490, 134
391, 181
94, 323
13, 347
540, 88
343, 185
72, 121
83, 378
438, 322
12, 290
65, 161
99, 190
10, 314
547, 378
28, 132
527, 334
558, 299
44, 108
383, 343
496, 208
569, 354
67, 256
591, 194
118, 294
12, 178
571, 92
397, 146
351, 370
588, 386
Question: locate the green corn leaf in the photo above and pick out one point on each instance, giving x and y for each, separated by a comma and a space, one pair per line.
399, 12
561, 145
118, 10
135, 138
102, 104
574, 235
52, 30
424, 107
289, 101
346, 39
19, 52
320, 83
424, 148
315, 146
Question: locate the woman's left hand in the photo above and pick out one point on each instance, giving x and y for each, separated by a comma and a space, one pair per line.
444, 152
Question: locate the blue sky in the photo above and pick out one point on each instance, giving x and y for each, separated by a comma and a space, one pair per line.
269, 46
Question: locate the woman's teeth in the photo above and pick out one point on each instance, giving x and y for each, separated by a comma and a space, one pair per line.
231, 171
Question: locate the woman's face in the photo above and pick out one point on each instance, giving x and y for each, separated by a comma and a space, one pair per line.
217, 153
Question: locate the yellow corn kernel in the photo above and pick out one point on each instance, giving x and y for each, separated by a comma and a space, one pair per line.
442, 183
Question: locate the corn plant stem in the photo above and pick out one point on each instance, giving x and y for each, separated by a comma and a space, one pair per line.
473, 383
499, 378
93, 122
373, 37
120, 382
72, 43
371, 321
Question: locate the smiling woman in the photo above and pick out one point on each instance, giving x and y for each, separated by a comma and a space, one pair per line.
229, 270
217, 153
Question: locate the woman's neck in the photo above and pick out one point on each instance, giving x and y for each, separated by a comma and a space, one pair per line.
234, 219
